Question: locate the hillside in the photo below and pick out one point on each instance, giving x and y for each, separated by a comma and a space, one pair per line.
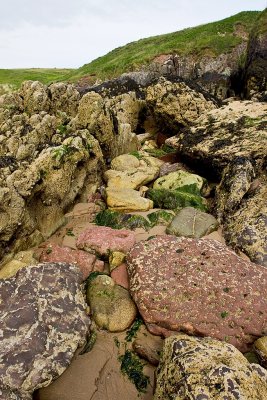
210, 39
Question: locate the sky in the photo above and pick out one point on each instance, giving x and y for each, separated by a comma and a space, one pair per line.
71, 33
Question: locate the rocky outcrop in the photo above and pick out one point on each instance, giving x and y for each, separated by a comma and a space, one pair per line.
218, 137
198, 286
206, 369
241, 208
43, 321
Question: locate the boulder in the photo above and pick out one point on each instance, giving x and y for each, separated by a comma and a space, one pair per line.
86, 262
102, 240
43, 321
124, 162
20, 260
200, 287
175, 104
35, 97
120, 276
131, 178
180, 180
127, 200
64, 98
206, 369
111, 305
190, 222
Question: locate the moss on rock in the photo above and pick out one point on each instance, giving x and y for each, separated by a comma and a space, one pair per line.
174, 199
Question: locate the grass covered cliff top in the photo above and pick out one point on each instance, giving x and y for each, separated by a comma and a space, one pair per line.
210, 39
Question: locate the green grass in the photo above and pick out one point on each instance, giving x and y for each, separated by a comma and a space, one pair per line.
15, 77
211, 39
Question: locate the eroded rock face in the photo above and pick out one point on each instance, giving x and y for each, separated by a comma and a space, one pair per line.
207, 369
200, 287
43, 321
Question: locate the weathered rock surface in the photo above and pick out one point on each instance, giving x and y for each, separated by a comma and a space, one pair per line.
85, 261
43, 321
120, 275
221, 135
241, 208
20, 260
103, 240
111, 305
124, 162
175, 104
206, 369
127, 200
190, 222
200, 287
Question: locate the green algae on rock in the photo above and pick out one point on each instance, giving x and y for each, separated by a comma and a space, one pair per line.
132, 366
118, 220
175, 199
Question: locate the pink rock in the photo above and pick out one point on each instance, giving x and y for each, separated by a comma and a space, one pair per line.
85, 261
120, 276
101, 240
198, 286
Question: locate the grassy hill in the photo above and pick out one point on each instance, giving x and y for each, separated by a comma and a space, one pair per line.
211, 39
15, 77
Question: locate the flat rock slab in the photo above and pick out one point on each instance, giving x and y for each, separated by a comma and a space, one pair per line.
102, 240
200, 287
85, 261
43, 321
206, 369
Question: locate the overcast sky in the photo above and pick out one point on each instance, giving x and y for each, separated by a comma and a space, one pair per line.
70, 33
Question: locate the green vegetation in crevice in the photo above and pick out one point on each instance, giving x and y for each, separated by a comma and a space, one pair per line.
174, 199
132, 332
160, 217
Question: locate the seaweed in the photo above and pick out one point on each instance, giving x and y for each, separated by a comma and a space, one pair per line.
175, 199
132, 332
132, 366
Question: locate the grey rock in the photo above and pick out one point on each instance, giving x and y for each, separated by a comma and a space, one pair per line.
190, 222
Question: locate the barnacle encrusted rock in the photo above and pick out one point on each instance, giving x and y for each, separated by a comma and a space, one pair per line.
206, 369
200, 287
43, 321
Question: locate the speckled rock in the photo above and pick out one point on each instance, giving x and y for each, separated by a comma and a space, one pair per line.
103, 240
200, 287
179, 180
131, 178
43, 321
190, 222
127, 200
111, 305
206, 369
85, 261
